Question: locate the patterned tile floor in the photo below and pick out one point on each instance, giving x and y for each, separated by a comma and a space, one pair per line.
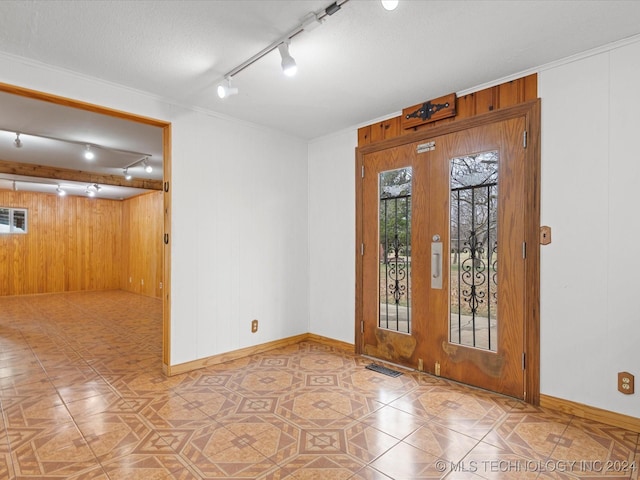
83, 397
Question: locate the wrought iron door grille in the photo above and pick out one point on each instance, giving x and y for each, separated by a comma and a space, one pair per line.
474, 251
395, 250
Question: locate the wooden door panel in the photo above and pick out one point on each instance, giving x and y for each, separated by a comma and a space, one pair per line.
397, 347
427, 346
501, 370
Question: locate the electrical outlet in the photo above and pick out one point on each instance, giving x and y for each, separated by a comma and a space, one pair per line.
254, 326
625, 383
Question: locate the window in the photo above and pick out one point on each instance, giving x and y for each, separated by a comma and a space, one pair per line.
13, 220
395, 249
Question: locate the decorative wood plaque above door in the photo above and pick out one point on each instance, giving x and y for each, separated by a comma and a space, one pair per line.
429, 111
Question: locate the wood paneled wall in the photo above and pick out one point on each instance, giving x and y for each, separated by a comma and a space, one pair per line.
78, 243
504, 95
71, 245
142, 250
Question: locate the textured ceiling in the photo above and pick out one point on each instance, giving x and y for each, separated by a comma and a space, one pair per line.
363, 63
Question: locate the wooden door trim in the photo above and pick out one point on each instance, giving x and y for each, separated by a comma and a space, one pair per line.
531, 113
166, 142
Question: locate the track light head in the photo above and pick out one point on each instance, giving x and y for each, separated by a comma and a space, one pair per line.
311, 21
289, 66
226, 90
127, 175
92, 189
88, 153
60, 191
17, 142
147, 168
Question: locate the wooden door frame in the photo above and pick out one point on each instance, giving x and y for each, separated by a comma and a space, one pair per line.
166, 152
531, 113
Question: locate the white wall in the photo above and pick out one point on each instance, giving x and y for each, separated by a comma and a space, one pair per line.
239, 192
589, 274
332, 235
240, 246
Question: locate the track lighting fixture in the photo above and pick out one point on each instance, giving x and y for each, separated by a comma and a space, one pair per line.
310, 21
45, 186
88, 148
92, 189
289, 66
88, 153
389, 4
227, 90
144, 162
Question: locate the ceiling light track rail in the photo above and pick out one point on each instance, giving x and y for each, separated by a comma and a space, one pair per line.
310, 22
90, 190
141, 161
144, 161
73, 142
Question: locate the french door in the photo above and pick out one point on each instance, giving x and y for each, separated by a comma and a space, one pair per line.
443, 260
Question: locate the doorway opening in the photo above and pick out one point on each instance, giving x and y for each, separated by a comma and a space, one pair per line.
21, 172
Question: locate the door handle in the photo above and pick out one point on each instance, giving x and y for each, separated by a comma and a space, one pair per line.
436, 264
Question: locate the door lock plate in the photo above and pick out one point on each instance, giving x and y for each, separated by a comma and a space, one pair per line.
545, 235
426, 147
